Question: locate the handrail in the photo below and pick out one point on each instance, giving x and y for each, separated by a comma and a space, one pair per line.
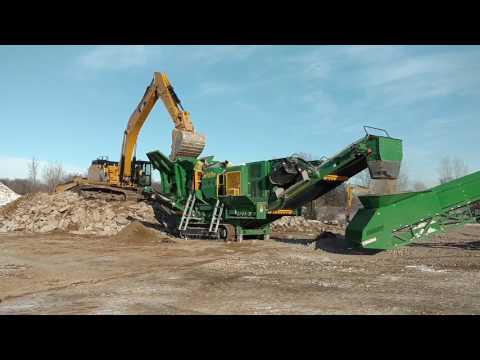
371, 127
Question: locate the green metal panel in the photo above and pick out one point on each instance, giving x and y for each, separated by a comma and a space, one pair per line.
258, 189
374, 201
390, 149
261, 210
209, 186
239, 202
244, 180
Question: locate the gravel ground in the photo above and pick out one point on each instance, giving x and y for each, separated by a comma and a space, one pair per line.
143, 271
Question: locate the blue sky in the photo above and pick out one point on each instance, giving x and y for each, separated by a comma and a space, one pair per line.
70, 104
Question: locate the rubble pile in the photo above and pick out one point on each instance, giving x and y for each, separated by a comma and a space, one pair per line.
7, 195
69, 212
300, 224
72, 213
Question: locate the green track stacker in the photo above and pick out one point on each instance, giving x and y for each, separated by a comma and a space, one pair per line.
390, 221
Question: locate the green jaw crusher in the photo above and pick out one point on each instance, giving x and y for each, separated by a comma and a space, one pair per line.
214, 199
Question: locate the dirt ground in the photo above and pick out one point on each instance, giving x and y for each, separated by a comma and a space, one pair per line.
141, 271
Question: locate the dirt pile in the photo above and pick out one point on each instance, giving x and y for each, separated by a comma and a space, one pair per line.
300, 224
7, 195
71, 213
137, 231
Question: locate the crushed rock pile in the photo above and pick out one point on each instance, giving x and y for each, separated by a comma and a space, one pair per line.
137, 231
7, 195
71, 213
300, 224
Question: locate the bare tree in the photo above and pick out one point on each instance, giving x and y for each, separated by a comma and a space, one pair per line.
33, 174
450, 169
53, 174
445, 170
460, 168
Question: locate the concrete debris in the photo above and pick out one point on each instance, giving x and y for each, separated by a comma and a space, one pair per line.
7, 195
300, 224
69, 212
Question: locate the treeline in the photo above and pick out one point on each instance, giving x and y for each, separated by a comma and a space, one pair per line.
40, 178
22, 186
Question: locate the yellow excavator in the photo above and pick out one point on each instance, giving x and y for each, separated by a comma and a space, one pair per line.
126, 179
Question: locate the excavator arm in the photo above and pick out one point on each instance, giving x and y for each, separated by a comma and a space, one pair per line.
173, 104
185, 142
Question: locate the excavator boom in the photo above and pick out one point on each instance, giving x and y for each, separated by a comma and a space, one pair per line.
185, 142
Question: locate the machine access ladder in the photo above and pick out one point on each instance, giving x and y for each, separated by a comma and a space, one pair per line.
197, 231
216, 217
187, 212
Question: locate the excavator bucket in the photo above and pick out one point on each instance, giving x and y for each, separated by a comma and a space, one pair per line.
186, 144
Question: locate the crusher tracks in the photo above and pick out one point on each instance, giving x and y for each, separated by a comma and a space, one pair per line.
225, 232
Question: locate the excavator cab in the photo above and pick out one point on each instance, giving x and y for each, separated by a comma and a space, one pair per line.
142, 173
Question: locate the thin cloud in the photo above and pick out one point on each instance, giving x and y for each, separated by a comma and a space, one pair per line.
114, 57
321, 102
316, 63
214, 88
392, 73
214, 54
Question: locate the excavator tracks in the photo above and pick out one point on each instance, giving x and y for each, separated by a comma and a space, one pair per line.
107, 193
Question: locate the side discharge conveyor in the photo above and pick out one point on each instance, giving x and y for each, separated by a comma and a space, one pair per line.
390, 221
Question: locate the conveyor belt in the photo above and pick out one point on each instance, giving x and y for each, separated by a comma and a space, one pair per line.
389, 221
